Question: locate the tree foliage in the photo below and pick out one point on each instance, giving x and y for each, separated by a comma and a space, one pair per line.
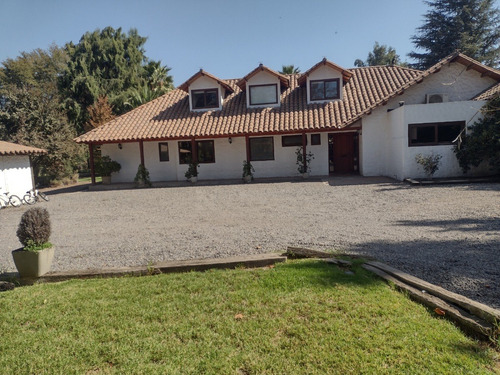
107, 63
483, 143
99, 113
381, 55
471, 26
289, 69
30, 112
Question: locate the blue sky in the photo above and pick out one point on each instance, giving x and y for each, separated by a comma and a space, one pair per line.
227, 38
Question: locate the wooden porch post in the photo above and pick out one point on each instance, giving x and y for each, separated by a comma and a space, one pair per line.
247, 145
92, 167
304, 151
194, 151
141, 150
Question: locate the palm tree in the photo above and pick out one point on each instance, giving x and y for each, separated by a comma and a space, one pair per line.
289, 69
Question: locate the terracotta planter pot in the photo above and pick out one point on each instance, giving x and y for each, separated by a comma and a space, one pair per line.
106, 180
33, 263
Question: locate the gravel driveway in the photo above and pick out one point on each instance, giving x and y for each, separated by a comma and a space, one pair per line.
448, 235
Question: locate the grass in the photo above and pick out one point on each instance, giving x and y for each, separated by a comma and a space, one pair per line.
89, 179
302, 317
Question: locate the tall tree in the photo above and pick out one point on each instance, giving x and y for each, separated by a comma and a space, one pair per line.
99, 113
471, 26
381, 55
483, 143
104, 63
30, 111
289, 69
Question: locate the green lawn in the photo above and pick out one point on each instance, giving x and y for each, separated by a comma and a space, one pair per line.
89, 179
302, 317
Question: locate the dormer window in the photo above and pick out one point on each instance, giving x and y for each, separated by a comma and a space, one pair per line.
263, 94
208, 98
324, 89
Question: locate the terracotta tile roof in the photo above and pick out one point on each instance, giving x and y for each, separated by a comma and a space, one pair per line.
242, 83
169, 117
7, 148
202, 73
489, 93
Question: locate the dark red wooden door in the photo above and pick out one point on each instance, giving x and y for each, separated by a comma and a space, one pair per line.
343, 152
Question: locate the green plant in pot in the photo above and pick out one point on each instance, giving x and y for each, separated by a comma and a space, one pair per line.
142, 177
105, 167
304, 163
247, 171
35, 257
192, 172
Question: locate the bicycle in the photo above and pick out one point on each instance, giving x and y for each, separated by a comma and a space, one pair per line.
32, 196
9, 200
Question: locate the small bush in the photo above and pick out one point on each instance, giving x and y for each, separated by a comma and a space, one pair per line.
34, 228
430, 163
142, 175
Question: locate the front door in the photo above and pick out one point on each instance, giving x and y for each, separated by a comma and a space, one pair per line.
342, 152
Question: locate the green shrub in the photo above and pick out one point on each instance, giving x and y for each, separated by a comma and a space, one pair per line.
430, 163
104, 166
142, 176
34, 228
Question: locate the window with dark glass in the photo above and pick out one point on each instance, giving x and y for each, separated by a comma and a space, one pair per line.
291, 140
206, 151
263, 94
185, 153
261, 148
205, 98
315, 139
163, 149
437, 133
324, 89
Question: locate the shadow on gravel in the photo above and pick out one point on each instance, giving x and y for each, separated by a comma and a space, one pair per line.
466, 267
463, 225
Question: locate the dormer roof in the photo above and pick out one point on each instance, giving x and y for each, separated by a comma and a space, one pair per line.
346, 74
242, 83
202, 73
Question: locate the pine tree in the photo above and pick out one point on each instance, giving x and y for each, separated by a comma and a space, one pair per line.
471, 26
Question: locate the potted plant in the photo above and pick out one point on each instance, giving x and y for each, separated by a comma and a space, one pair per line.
303, 165
247, 171
105, 166
192, 172
35, 257
142, 177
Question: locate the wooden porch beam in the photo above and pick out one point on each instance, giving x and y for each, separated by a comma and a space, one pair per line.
141, 151
92, 166
304, 151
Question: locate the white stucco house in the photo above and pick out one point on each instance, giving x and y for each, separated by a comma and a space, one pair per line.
369, 120
16, 174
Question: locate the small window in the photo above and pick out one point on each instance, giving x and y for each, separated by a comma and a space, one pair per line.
185, 152
291, 140
263, 94
206, 151
205, 98
325, 89
261, 148
163, 149
315, 139
438, 133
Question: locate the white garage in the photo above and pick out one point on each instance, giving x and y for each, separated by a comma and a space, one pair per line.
16, 175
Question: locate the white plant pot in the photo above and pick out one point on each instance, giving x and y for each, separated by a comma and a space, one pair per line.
247, 179
193, 179
305, 175
33, 263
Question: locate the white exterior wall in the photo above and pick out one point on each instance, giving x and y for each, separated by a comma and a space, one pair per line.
15, 175
454, 80
284, 163
385, 149
204, 83
228, 164
324, 72
263, 78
